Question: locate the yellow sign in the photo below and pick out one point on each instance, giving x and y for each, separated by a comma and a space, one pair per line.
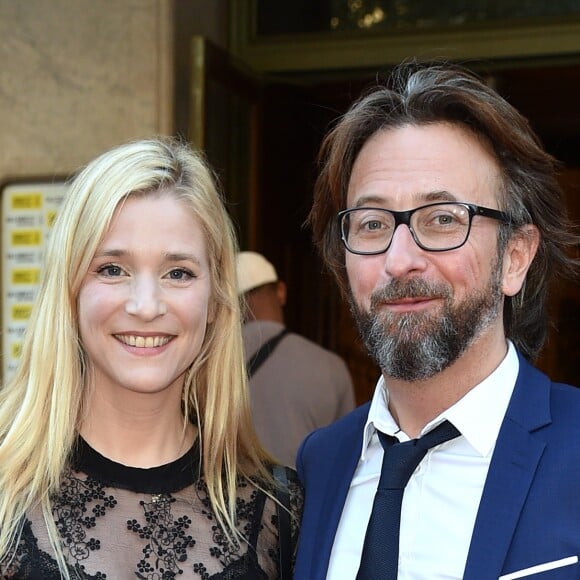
26, 237
21, 311
26, 276
26, 201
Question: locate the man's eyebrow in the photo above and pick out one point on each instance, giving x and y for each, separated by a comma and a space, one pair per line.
428, 197
368, 200
440, 195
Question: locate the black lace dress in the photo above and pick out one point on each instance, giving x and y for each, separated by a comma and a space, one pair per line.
118, 522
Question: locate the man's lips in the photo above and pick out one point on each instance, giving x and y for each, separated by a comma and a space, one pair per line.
407, 304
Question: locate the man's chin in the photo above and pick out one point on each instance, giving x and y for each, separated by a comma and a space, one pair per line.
408, 327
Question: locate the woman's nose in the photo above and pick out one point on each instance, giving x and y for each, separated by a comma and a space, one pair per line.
145, 300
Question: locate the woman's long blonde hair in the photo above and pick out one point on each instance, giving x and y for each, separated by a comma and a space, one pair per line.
41, 407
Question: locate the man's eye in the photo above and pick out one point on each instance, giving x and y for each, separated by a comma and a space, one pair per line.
445, 219
372, 225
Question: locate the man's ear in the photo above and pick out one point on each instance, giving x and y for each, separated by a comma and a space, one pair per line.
281, 292
519, 254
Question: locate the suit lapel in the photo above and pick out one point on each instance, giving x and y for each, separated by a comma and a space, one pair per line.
511, 472
337, 485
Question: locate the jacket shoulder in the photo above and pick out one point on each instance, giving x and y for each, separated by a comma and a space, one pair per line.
324, 446
344, 426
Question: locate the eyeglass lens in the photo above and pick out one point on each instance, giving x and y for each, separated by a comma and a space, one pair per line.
435, 227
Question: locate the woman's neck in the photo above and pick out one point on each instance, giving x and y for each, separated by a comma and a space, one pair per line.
135, 447
146, 431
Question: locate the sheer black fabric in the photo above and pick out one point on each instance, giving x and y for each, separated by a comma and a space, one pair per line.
118, 522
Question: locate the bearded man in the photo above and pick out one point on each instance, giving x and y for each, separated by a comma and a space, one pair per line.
440, 215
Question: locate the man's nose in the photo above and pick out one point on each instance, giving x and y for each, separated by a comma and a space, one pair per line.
404, 256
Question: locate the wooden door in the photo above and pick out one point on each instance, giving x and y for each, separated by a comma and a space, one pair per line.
224, 103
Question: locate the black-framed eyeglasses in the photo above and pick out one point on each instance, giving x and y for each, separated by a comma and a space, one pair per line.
435, 227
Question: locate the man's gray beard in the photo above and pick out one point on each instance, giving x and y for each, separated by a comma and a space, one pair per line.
418, 345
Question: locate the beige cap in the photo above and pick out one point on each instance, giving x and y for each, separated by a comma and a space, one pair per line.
253, 270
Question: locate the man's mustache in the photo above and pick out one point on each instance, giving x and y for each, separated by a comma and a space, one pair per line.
410, 288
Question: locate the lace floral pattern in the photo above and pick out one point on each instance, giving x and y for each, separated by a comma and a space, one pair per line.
113, 530
166, 536
71, 517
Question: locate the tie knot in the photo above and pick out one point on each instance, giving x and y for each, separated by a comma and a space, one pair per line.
443, 432
401, 459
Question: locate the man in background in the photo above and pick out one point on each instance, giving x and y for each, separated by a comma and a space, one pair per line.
296, 385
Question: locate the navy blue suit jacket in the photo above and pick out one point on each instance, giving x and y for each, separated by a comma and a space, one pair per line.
530, 508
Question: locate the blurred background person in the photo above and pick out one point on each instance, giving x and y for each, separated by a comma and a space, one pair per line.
296, 385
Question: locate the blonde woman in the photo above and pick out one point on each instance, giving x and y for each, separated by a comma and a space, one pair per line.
126, 445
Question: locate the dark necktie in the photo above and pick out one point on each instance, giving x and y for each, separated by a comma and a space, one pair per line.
380, 556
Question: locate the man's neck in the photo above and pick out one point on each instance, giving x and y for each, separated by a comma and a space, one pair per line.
414, 403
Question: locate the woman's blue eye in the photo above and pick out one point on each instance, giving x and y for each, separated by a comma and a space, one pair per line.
110, 270
180, 274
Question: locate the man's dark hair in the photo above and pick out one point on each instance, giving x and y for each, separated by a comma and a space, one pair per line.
423, 94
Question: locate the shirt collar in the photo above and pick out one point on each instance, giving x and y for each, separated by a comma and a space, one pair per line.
477, 415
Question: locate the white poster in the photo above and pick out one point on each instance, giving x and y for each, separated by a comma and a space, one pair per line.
28, 213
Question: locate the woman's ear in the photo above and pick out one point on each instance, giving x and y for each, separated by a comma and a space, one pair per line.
211, 310
519, 255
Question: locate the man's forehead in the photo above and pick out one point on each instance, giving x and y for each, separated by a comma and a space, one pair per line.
420, 164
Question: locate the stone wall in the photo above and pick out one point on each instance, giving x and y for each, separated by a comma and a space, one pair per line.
80, 76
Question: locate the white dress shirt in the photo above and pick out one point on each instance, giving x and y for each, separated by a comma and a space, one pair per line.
442, 497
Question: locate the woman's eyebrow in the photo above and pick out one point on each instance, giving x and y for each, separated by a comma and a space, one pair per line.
181, 257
